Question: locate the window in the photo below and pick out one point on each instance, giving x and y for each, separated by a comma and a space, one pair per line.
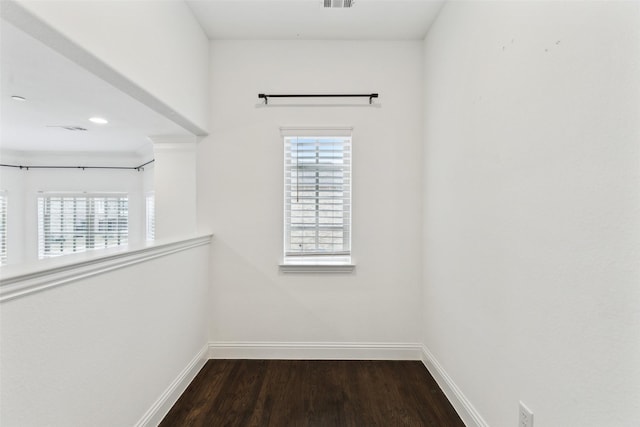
77, 223
3, 227
317, 214
150, 216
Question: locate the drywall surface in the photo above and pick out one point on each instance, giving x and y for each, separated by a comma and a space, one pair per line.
241, 185
532, 209
101, 350
157, 45
22, 188
175, 187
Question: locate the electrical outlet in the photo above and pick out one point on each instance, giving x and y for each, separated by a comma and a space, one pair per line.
526, 416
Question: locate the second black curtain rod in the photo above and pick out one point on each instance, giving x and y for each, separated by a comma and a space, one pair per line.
317, 95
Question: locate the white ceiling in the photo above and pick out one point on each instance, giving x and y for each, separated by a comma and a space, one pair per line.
308, 20
61, 93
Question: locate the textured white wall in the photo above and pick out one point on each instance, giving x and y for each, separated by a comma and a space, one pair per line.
531, 216
240, 192
101, 350
157, 45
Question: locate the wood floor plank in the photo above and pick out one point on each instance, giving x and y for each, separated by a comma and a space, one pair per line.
312, 394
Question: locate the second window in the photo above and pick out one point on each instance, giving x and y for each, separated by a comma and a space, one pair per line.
317, 196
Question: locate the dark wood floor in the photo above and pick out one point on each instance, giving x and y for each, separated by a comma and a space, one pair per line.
312, 393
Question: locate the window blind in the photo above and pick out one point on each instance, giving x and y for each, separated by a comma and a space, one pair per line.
77, 223
150, 204
317, 195
3, 228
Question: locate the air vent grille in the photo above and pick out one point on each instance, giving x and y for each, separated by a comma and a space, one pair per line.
71, 128
338, 3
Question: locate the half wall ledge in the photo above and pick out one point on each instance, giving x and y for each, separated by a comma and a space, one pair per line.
23, 280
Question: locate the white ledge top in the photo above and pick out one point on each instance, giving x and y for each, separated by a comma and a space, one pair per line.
317, 268
23, 279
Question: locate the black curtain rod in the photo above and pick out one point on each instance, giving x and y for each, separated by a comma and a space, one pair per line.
136, 168
367, 95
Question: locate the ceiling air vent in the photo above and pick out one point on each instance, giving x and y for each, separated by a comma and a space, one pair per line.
71, 128
338, 3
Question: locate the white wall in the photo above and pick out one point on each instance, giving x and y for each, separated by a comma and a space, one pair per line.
100, 351
156, 45
22, 187
531, 216
240, 192
175, 186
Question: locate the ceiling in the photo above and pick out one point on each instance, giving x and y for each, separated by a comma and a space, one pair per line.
309, 20
58, 92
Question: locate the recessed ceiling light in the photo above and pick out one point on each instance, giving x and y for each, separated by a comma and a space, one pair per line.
98, 120
18, 98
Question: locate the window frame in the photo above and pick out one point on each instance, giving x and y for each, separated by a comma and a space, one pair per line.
333, 262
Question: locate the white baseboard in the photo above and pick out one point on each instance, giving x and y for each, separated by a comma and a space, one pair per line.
161, 407
470, 416
314, 351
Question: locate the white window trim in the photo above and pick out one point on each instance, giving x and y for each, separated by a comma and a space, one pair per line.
320, 264
317, 268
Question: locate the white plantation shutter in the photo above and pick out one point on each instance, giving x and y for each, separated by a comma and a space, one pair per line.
318, 194
3, 227
76, 223
150, 203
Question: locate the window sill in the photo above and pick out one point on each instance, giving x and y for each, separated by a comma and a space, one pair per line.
317, 268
